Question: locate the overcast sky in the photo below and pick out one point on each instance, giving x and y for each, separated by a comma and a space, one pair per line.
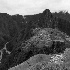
27, 7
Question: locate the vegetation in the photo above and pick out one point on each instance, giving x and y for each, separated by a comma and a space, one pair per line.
16, 33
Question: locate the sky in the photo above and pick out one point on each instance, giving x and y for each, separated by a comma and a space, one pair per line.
31, 7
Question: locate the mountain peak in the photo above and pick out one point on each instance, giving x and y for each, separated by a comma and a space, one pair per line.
46, 12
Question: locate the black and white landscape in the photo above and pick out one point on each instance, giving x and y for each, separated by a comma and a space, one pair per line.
22, 37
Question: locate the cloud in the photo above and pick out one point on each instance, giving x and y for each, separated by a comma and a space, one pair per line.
32, 6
